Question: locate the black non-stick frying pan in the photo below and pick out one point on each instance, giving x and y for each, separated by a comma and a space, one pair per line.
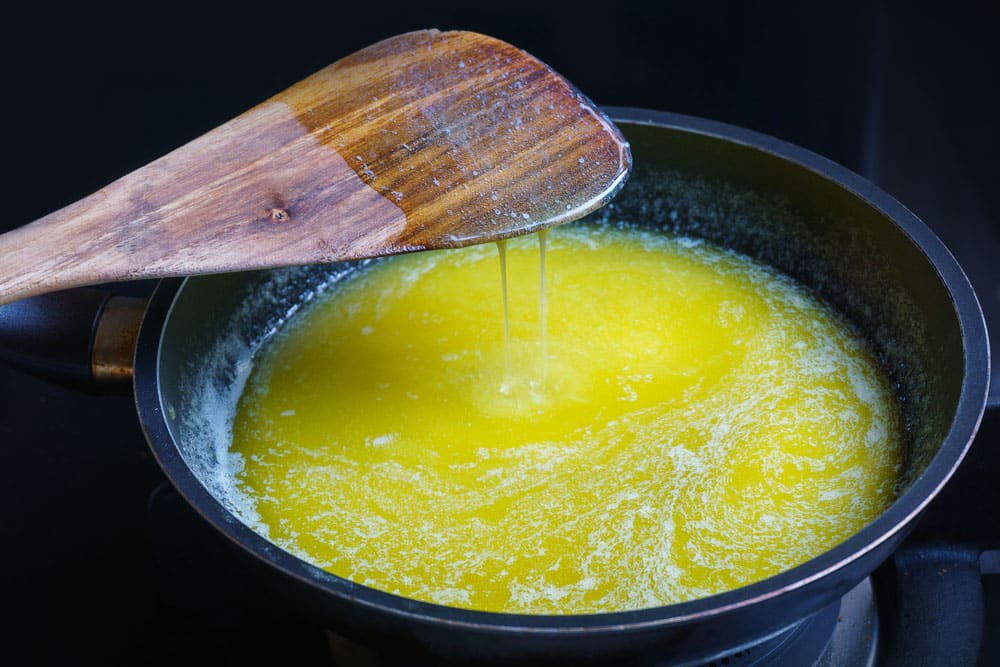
855, 246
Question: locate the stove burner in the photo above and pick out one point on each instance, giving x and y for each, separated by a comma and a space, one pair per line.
801, 645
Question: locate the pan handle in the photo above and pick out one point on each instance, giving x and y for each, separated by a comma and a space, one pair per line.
81, 338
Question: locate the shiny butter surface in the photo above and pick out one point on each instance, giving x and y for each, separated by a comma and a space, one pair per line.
698, 423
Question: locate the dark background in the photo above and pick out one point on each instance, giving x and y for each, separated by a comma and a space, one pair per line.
905, 96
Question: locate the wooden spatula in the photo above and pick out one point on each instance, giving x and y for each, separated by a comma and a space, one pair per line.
425, 140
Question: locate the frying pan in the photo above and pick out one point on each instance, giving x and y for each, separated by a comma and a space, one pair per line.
854, 245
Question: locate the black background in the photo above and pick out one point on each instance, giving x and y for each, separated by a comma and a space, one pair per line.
905, 96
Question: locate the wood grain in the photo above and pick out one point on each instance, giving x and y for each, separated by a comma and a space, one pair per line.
425, 140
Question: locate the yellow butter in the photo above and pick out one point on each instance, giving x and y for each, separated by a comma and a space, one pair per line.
698, 423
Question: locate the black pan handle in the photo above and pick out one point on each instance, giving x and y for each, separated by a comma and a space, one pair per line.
81, 338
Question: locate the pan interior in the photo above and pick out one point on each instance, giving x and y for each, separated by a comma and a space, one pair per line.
820, 233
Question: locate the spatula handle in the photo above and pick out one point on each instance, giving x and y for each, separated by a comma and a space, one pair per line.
258, 191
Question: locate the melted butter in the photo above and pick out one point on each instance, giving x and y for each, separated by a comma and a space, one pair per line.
703, 423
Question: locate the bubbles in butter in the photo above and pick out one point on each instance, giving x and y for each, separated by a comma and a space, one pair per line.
702, 423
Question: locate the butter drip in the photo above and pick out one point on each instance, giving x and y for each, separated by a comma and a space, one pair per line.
693, 422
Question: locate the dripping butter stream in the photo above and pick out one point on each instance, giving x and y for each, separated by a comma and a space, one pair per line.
422, 141
542, 365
